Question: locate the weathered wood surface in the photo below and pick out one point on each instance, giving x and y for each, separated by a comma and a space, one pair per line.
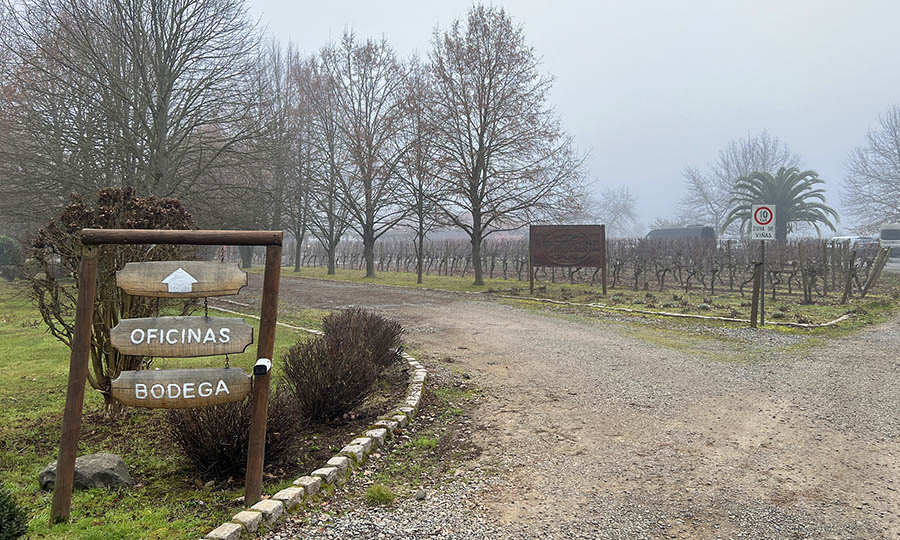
180, 388
195, 238
181, 337
179, 279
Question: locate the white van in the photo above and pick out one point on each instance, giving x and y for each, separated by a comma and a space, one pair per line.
890, 238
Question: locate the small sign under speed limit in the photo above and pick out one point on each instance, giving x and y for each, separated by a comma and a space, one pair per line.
762, 222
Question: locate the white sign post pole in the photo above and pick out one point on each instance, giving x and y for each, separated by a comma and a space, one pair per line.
762, 228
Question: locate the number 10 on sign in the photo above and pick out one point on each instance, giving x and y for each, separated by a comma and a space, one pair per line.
762, 222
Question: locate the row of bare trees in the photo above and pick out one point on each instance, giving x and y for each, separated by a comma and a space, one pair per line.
184, 99
808, 267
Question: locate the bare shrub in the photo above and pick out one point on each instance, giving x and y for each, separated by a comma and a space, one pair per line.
215, 438
57, 246
328, 377
376, 337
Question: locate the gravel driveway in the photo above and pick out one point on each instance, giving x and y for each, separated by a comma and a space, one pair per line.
599, 430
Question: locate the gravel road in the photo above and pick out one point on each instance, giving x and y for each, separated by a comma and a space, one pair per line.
599, 430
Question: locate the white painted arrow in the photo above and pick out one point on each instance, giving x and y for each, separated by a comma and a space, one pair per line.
179, 281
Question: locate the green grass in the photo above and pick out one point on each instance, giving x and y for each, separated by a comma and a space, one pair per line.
378, 494
166, 501
425, 443
882, 302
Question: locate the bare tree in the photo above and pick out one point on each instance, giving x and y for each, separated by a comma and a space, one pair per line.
616, 208
871, 190
328, 217
419, 166
709, 191
366, 80
144, 93
508, 160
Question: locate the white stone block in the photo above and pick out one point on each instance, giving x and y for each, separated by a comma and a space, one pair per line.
271, 510
378, 436
365, 442
400, 419
249, 519
226, 531
341, 463
291, 497
354, 452
310, 484
329, 475
390, 425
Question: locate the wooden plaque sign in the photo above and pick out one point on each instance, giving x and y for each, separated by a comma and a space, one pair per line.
571, 246
173, 279
181, 388
181, 337
567, 245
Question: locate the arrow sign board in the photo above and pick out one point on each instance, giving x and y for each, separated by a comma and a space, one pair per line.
762, 222
181, 337
180, 388
174, 279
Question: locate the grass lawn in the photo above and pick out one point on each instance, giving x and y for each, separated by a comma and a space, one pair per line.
880, 303
168, 500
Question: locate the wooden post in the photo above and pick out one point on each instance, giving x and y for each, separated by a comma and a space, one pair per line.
807, 293
605, 264
876, 272
762, 287
849, 280
824, 268
78, 368
754, 302
260, 396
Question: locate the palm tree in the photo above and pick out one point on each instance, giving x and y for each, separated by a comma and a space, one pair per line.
794, 195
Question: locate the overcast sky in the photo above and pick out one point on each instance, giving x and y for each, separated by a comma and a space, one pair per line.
650, 87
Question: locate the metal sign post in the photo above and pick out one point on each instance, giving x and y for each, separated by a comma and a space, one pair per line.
180, 336
762, 228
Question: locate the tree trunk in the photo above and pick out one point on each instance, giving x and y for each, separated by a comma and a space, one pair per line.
369, 251
476, 258
781, 230
331, 267
420, 256
246, 253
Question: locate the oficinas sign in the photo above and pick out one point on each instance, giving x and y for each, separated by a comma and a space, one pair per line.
181, 337
180, 388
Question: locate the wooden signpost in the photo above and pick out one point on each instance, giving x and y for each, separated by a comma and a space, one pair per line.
193, 279
176, 337
181, 337
181, 388
572, 246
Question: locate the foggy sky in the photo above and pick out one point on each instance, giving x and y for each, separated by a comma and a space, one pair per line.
651, 87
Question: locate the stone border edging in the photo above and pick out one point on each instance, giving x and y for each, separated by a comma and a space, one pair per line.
337, 470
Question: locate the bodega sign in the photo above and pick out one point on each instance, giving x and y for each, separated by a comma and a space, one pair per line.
181, 388
181, 337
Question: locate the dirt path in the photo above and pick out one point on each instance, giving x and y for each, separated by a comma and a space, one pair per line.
605, 435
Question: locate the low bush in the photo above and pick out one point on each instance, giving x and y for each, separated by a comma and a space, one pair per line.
13, 522
328, 376
215, 438
374, 336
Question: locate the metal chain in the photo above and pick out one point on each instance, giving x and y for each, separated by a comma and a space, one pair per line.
205, 306
227, 362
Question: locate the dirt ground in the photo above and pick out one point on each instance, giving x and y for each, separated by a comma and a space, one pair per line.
605, 431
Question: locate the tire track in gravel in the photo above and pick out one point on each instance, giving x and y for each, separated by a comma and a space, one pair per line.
603, 435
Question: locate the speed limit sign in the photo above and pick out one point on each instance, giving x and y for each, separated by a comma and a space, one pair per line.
762, 222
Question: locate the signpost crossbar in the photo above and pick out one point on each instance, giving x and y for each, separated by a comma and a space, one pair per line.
197, 238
